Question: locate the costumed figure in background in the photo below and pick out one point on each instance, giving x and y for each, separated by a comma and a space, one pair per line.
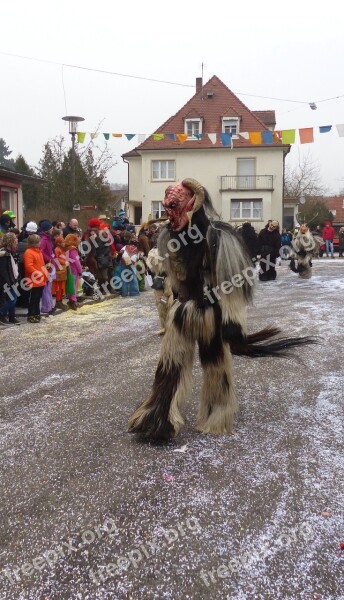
211, 276
269, 245
161, 285
303, 247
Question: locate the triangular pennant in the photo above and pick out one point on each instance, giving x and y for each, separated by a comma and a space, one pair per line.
267, 136
171, 136
255, 137
340, 129
158, 136
226, 139
129, 136
199, 136
182, 137
244, 134
117, 134
93, 136
141, 137
325, 128
288, 136
106, 135
306, 135
277, 135
81, 137
212, 137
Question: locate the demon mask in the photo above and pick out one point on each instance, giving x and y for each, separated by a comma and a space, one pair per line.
181, 201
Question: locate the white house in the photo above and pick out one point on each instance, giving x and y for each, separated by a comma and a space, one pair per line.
244, 179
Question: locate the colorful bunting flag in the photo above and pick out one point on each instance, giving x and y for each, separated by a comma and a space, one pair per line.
277, 135
340, 129
325, 128
306, 135
129, 136
212, 137
81, 137
106, 135
267, 136
226, 139
141, 137
288, 136
182, 137
93, 136
255, 137
171, 136
199, 136
244, 134
117, 135
158, 136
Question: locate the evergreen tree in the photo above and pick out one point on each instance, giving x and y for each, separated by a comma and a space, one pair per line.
31, 191
5, 152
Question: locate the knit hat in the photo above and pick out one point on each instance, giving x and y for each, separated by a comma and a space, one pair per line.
31, 227
93, 223
46, 226
121, 213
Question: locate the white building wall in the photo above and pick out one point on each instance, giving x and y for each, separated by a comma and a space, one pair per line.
207, 166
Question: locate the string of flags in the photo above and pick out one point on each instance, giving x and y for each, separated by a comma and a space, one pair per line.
286, 136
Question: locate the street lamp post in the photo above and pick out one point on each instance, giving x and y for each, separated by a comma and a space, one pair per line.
73, 128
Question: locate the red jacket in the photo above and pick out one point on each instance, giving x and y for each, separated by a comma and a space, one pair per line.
328, 233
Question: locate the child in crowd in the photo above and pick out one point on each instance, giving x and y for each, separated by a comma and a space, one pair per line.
36, 276
72, 241
59, 284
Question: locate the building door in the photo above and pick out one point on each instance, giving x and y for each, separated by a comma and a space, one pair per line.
137, 215
246, 168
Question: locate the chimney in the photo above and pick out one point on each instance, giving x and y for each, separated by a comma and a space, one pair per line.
199, 84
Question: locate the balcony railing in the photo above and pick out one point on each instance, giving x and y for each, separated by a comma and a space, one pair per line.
246, 182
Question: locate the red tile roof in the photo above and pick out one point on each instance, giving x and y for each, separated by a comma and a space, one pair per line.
211, 109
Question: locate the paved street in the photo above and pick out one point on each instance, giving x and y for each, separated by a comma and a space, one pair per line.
88, 512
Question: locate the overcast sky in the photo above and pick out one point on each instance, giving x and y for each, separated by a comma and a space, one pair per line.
285, 51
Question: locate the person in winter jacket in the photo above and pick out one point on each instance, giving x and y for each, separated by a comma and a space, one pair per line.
46, 245
249, 235
36, 276
8, 277
328, 236
71, 243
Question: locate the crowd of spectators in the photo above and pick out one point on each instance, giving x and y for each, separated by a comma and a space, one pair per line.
49, 266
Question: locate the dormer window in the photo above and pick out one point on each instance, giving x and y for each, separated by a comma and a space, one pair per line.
230, 125
193, 127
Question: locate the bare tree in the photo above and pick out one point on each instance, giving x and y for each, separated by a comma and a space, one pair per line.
304, 179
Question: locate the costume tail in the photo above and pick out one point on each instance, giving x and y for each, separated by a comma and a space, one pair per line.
253, 346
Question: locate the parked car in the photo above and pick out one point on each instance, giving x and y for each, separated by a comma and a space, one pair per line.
335, 246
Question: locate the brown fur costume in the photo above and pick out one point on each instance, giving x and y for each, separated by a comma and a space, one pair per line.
211, 276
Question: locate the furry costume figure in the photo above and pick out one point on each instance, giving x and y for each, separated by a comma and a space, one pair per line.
211, 275
163, 297
303, 247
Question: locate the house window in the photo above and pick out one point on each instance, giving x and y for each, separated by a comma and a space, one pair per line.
230, 126
5, 199
193, 127
246, 209
157, 210
163, 170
